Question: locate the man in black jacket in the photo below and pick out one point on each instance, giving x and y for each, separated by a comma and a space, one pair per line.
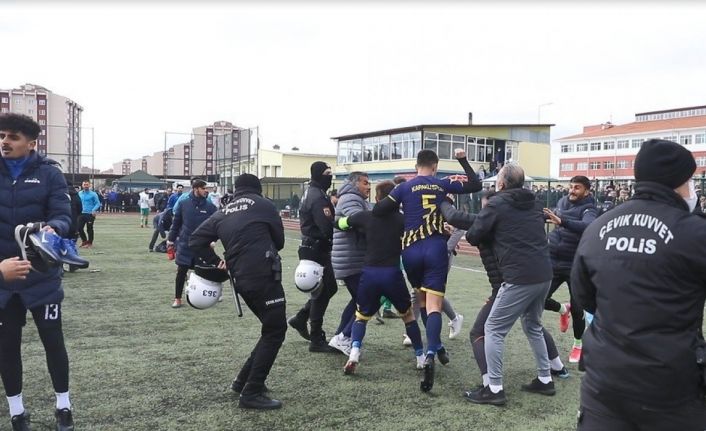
316, 216
573, 213
641, 270
252, 234
514, 224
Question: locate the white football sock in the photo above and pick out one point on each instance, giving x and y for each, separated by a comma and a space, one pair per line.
16, 405
557, 365
62, 400
562, 309
545, 379
495, 388
486, 379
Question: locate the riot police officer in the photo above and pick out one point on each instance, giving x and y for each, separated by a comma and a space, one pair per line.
251, 232
316, 215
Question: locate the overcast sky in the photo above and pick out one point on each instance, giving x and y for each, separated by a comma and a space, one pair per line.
308, 71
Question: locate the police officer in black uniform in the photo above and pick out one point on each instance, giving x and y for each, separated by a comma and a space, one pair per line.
641, 270
251, 232
316, 215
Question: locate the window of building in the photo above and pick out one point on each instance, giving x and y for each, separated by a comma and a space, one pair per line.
637, 143
595, 146
31, 102
670, 138
4, 100
18, 100
593, 166
42, 102
278, 171
623, 144
700, 139
582, 166
4, 110
479, 150
511, 152
42, 122
582, 148
701, 161
685, 140
609, 145
567, 148
405, 145
608, 165
567, 166
622, 164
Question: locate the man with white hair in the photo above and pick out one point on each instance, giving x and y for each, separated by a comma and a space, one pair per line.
513, 224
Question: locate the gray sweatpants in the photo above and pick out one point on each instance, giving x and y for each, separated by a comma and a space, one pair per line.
525, 301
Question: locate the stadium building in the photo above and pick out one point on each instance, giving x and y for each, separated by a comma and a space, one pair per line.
58, 116
607, 151
385, 154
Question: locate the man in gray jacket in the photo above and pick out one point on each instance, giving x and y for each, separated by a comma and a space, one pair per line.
348, 253
513, 224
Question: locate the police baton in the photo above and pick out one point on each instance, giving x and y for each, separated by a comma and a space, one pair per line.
236, 297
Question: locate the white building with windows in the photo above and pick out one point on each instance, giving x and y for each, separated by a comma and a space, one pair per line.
607, 151
58, 116
386, 154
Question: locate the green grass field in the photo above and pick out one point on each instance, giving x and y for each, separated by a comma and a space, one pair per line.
137, 364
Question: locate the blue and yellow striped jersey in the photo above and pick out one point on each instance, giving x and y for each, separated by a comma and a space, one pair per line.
420, 199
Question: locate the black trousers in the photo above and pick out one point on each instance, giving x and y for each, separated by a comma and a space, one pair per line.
87, 221
315, 308
48, 320
602, 411
265, 298
182, 271
155, 234
563, 275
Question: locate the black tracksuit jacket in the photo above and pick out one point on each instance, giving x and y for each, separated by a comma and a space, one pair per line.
249, 227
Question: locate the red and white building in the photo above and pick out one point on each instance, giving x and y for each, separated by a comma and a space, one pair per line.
607, 151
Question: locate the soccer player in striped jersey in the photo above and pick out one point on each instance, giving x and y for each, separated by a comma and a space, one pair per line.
423, 242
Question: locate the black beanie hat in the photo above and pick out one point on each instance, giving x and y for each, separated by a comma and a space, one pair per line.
664, 162
248, 180
317, 170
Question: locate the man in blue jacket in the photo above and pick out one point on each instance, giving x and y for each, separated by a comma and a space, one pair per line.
90, 205
32, 190
188, 215
572, 215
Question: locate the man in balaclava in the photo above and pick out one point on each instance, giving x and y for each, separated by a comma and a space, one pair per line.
316, 216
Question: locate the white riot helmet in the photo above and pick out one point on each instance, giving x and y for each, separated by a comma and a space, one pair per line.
308, 275
202, 293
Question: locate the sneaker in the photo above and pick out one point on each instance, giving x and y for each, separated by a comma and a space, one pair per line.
378, 318
406, 341
69, 255
455, 326
300, 326
21, 422
258, 402
575, 355
428, 382
420, 361
341, 343
318, 344
486, 396
564, 318
36, 248
562, 374
389, 314
443, 356
84, 244
176, 303
353, 360
64, 420
537, 387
